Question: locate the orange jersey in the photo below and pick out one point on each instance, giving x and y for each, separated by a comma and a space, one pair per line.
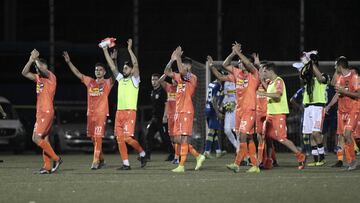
351, 83
98, 92
261, 101
171, 98
45, 89
184, 92
246, 85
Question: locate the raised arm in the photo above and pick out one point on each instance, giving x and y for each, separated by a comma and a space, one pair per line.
162, 81
318, 74
227, 63
76, 72
333, 79
26, 70
247, 63
110, 62
168, 71
135, 70
177, 55
213, 69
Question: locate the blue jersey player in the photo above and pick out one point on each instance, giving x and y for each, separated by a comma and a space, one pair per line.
214, 117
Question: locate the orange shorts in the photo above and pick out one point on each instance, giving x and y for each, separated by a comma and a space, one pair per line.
43, 123
96, 126
346, 121
275, 127
245, 121
260, 120
125, 123
171, 125
183, 124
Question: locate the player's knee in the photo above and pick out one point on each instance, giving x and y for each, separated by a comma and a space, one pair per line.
36, 138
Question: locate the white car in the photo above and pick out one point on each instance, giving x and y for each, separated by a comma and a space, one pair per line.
12, 133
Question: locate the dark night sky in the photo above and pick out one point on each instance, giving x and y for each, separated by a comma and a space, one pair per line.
268, 27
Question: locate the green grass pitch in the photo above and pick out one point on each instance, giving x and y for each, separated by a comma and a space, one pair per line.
75, 182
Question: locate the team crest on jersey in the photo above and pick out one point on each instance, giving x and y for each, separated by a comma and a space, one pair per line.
242, 83
96, 91
39, 87
180, 87
171, 96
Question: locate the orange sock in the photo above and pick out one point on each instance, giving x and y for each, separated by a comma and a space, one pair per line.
349, 152
177, 150
183, 153
300, 157
122, 148
252, 153
340, 154
135, 144
241, 153
45, 145
97, 148
47, 161
193, 151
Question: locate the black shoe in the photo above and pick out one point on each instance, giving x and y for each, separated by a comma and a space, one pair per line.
1, 161
102, 163
56, 165
143, 161
261, 166
124, 168
170, 157
147, 158
44, 171
275, 163
338, 164
243, 163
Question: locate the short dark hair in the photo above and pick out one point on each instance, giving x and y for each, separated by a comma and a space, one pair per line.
155, 75
101, 64
270, 66
128, 63
43, 61
187, 60
343, 62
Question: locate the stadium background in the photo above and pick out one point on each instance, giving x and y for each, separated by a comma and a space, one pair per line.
271, 28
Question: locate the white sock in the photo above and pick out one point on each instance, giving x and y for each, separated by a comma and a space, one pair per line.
142, 154
126, 162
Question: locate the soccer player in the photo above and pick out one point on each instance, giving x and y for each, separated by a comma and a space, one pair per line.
266, 150
169, 114
246, 78
348, 93
128, 89
214, 118
158, 99
98, 90
184, 113
314, 101
277, 108
228, 106
45, 88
